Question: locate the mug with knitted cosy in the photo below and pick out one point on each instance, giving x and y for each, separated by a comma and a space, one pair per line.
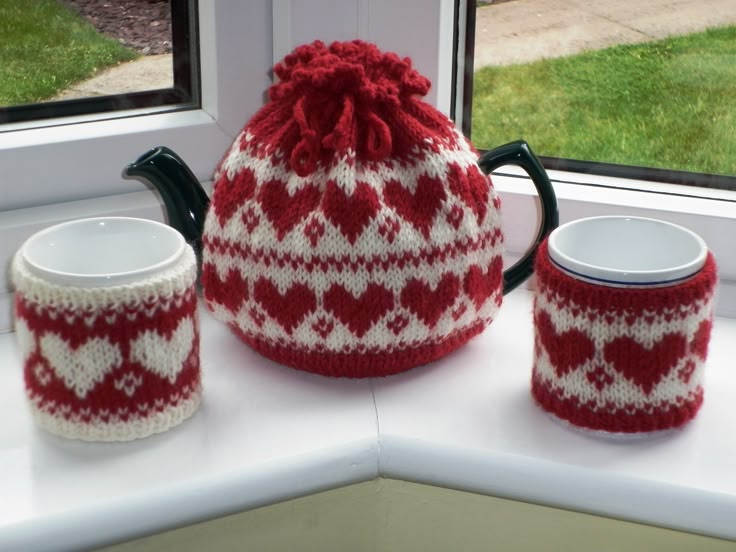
353, 230
106, 324
623, 312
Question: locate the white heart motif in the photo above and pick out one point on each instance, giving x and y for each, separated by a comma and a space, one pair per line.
84, 367
164, 357
25, 338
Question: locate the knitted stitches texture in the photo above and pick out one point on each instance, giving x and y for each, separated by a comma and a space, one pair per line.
351, 232
111, 363
620, 360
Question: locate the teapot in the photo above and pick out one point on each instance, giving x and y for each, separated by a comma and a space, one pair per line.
353, 231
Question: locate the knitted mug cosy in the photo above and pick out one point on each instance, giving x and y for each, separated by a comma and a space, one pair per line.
351, 232
622, 360
110, 363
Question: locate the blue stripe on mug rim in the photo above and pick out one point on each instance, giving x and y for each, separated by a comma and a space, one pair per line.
618, 283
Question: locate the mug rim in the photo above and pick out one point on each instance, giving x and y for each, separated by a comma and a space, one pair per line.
102, 279
608, 276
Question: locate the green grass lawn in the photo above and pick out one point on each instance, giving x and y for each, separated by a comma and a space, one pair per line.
670, 104
45, 47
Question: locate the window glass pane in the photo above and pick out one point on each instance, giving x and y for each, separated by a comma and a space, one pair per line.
63, 57
648, 84
143, 27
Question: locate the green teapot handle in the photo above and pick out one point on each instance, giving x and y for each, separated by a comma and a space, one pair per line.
519, 153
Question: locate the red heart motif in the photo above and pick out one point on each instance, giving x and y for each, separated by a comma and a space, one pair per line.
389, 228
455, 216
419, 208
687, 371
351, 214
645, 367
323, 327
359, 314
288, 309
251, 220
479, 285
397, 324
699, 344
567, 350
257, 316
599, 377
232, 292
459, 311
229, 194
314, 230
285, 211
429, 304
472, 187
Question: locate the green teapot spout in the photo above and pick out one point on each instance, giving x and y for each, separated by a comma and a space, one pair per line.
184, 198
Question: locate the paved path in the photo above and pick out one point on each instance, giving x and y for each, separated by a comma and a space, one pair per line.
515, 31
525, 30
144, 73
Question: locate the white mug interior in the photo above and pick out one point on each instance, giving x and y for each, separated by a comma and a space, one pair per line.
627, 251
102, 251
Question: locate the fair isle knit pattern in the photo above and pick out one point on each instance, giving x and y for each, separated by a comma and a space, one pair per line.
620, 360
110, 363
351, 232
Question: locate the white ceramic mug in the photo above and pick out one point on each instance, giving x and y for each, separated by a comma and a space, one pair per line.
622, 320
106, 321
627, 251
102, 251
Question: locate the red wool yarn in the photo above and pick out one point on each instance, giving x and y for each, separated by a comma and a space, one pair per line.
112, 363
620, 360
351, 232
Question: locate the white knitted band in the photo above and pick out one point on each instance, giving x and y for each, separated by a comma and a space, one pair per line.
78, 300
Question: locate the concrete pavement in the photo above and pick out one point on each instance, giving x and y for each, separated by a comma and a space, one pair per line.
519, 31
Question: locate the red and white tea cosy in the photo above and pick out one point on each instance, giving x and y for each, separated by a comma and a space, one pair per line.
110, 363
620, 360
351, 232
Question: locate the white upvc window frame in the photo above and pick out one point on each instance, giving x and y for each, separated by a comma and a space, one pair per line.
71, 169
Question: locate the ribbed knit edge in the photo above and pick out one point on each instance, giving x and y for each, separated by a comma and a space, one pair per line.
136, 428
84, 301
638, 421
361, 365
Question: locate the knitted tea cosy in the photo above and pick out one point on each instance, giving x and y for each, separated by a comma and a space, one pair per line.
620, 360
351, 232
110, 363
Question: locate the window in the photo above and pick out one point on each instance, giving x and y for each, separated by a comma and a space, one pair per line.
612, 89
66, 57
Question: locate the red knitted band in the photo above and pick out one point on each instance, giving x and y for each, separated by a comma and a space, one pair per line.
360, 363
620, 360
113, 363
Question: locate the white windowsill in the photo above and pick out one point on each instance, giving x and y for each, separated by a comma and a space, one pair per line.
266, 433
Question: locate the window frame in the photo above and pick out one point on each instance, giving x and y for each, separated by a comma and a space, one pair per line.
71, 170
